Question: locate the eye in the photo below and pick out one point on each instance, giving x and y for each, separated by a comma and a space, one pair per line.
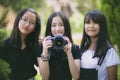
24, 19
53, 25
61, 24
33, 23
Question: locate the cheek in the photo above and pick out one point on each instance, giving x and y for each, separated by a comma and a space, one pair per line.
98, 31
63, 30
85, 29
52, 30
98, 28
19, 26
33, 28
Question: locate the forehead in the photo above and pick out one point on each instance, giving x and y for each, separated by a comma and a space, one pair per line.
57, 19
92, 17
29, 15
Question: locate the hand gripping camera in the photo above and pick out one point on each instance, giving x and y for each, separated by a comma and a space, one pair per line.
58, 42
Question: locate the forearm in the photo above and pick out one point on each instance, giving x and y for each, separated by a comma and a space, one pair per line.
44, 69
74, 67
112, 72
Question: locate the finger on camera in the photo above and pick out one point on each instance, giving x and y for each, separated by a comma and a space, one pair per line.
46, 38
67, 39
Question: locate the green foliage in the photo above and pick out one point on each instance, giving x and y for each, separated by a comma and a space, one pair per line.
117, 13
111, 9
76, 21
4, 70
3, 34
18, 5
4, 66
3, 23
38, 77
119, 72
86, 5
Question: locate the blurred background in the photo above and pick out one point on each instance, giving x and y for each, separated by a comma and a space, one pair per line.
73, 9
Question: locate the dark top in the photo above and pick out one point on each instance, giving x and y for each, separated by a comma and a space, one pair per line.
58, 63
21, 61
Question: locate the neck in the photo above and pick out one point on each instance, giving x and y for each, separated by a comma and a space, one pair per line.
23, 45
93, 43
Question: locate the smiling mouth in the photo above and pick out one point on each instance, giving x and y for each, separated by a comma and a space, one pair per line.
91, 30
58, 33
25, 29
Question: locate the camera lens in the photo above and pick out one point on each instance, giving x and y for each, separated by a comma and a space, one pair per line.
59, 43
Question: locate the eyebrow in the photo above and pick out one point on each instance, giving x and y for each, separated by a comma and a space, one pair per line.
28, 18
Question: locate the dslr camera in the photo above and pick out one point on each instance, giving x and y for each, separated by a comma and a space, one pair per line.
58, 42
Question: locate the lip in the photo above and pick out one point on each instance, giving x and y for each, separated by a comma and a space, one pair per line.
91, 30
58, 33
26, 29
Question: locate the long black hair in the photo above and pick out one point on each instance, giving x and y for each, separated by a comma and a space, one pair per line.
33, 37
103, 42
66, 23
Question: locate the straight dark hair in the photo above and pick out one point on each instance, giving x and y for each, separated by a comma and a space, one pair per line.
65, 22
103, 42
32, 38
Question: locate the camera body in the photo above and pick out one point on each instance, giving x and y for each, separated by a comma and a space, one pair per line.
58, 42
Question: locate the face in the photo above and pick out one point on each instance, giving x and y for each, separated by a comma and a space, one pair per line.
57, 26
92, 29
27, 23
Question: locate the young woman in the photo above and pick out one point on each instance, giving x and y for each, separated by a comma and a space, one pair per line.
62, 64
21, 49
99, 58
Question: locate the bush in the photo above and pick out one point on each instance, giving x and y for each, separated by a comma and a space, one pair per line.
4, 66
4, 70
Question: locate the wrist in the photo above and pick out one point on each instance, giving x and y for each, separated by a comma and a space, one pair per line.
44, 57
44, 54
69, 54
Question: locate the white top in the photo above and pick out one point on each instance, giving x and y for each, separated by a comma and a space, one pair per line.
110, 59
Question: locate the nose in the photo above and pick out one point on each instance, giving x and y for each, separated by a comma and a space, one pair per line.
57, 27
27, 23
91, 24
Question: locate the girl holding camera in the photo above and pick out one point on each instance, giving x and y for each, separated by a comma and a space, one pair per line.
55, 65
